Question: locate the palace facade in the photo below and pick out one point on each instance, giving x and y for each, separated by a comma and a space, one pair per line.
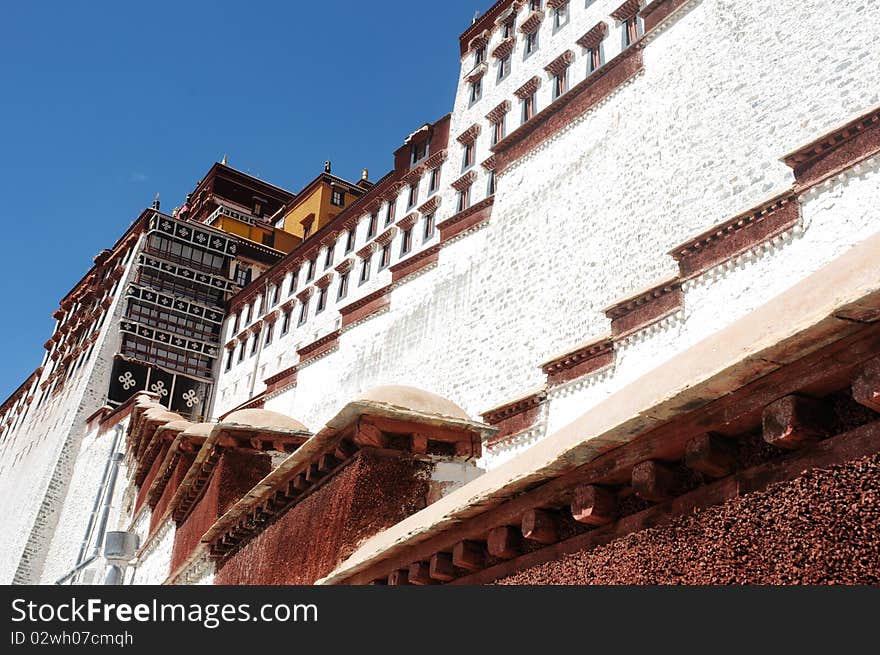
625, 292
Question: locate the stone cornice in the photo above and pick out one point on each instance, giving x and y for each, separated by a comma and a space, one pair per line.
464, 181
560, 64
737, 235
503, 49
627, 10
407, 221
469, 135
436, 159
345, 265
580, 361
532, 22
498, 112
431, 205
594, 36
528, 89
645, 308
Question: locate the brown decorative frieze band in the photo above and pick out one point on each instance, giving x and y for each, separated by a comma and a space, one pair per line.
231, 345
430, 206
560, 64
323, 345
351, 222
366, 307
594, 36
627, 10
407, 221
305, 294
272, 316
367, 250
480, 40
387, 236
532, 23
345, 265
499, 112
282, 380
244, 336
836, 151
414, 176
490, 163
436, 159
656, 12
515, 416
477, 73
324, 281
528, 89
503, 49
581, 361
556, 4
645, 308
418, 262
465, 181
470, 134
464, 220
737, 235
580, 99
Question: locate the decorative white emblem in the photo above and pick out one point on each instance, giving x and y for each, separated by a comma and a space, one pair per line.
201, 238
178, 342
166, 225
217, 243
159, 388
127, 380
191, 398
184, 232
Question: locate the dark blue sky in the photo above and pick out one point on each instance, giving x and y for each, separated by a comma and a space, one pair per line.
104, 104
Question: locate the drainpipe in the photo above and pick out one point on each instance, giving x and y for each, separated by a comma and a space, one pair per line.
105, 490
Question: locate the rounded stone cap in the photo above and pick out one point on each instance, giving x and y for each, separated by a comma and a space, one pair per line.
416, 400
179, 426
202, 430
264, 420
161, 414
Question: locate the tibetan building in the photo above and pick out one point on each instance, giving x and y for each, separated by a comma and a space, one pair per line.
613, 319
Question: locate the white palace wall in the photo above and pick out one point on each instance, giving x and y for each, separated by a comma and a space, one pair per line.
588, 217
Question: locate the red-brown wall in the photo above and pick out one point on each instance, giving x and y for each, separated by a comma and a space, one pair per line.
369, 495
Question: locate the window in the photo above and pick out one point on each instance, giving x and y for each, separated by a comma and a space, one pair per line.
242, 275
435, 180
632, 30
365, 269
498, 131
594, 60
342, 292
389, 216
371, 228
534, 5
464, 199
285, 323
275, 291
413, 195
303, 311
235, 321
322, 300
528, 107
310, 271
328, 256
293, 276
507, 29
469, 155
307, 228
349, 241
479, 56
560, 16
228, 366
247, 315
418, 151
254, 343
491, 189
504, 67
429, 226
476, 90
270, 328
406, 242
385, 257
560, 83
337, 198
531, 42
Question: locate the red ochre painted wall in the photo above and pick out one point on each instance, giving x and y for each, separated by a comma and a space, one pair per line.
369, 495
183, 465
234, 475
820, 528
151, 475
